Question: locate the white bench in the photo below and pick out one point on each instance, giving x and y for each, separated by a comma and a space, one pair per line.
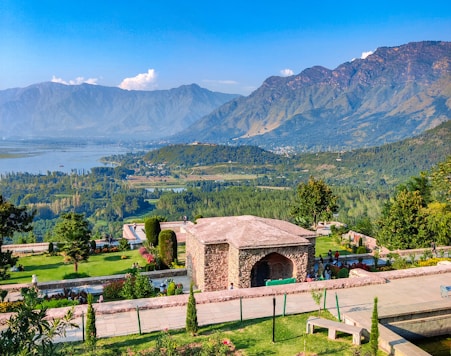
444, 291
333, 327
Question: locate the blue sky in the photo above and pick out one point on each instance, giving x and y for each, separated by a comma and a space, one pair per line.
228, 46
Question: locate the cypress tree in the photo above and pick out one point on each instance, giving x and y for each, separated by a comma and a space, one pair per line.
91, 331
374, 336
152, 229
167, 247
191, 313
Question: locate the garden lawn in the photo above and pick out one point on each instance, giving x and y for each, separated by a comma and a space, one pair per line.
52, 268
251, 337
326, 243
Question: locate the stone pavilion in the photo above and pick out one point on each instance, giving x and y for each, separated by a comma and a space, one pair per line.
246, 251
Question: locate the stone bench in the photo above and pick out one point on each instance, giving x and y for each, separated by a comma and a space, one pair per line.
444, 291
333, 327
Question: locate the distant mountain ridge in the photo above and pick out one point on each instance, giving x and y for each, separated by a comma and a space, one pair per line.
58, 110
394, 93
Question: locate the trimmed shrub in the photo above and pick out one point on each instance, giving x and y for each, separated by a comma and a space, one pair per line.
374, 335
192, 325
91, 330
171, 289
93, 245
343, 273
152, 229
124, 245
51, 248
167, 247
361, 250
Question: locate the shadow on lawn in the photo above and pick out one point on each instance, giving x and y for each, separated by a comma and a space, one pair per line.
43, 266
112, 258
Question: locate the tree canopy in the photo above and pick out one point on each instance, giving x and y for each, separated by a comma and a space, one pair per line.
12, 219
73, 229
314, 201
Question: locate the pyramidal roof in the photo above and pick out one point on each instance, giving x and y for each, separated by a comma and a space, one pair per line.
249, 231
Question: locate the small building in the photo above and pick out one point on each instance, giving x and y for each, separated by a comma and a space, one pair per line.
246, 251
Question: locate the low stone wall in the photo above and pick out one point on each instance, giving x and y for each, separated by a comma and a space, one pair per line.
92, 281
18, 249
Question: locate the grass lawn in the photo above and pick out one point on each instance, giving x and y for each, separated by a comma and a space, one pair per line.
324, 243
53, 268
251, 337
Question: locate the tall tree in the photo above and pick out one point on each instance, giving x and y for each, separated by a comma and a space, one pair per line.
441, 181
12, 219
420, 184
403, 224
74, 230
314, 201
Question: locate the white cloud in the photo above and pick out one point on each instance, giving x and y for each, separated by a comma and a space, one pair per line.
286, 72
142, 81
227, 82
76, 81
366, 54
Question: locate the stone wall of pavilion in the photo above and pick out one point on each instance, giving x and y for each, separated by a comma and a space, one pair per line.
216, 269
302, 257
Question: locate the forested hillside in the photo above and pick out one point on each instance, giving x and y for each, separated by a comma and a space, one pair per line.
223, 180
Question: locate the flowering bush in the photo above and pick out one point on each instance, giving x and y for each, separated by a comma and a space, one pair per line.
146, 255
431, 262
7, 307
112, 291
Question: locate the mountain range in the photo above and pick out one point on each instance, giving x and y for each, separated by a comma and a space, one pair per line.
392, 94
53, 110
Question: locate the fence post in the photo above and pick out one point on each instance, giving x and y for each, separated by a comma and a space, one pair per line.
284, 303
338, 307
83, 326
274, 319
139, 320
241, 309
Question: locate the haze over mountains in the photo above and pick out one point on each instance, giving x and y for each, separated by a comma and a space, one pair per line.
53, 110
394, 93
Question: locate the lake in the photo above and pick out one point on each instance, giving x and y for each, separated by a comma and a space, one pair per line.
41, 157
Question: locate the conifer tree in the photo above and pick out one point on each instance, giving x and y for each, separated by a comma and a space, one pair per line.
152, 229
191, 313
91, 330
167, 247
374, 336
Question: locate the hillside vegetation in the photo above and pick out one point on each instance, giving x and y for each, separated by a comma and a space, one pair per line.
217, 180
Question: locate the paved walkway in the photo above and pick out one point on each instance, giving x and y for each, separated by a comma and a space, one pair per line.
170, 312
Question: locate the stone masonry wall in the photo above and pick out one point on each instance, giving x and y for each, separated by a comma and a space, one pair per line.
234, 266
195, 261
301, 256
216, 272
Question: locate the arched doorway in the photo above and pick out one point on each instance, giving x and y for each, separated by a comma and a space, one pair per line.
272, 266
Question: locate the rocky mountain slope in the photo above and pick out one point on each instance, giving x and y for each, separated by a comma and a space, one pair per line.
56, 110
394, 93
